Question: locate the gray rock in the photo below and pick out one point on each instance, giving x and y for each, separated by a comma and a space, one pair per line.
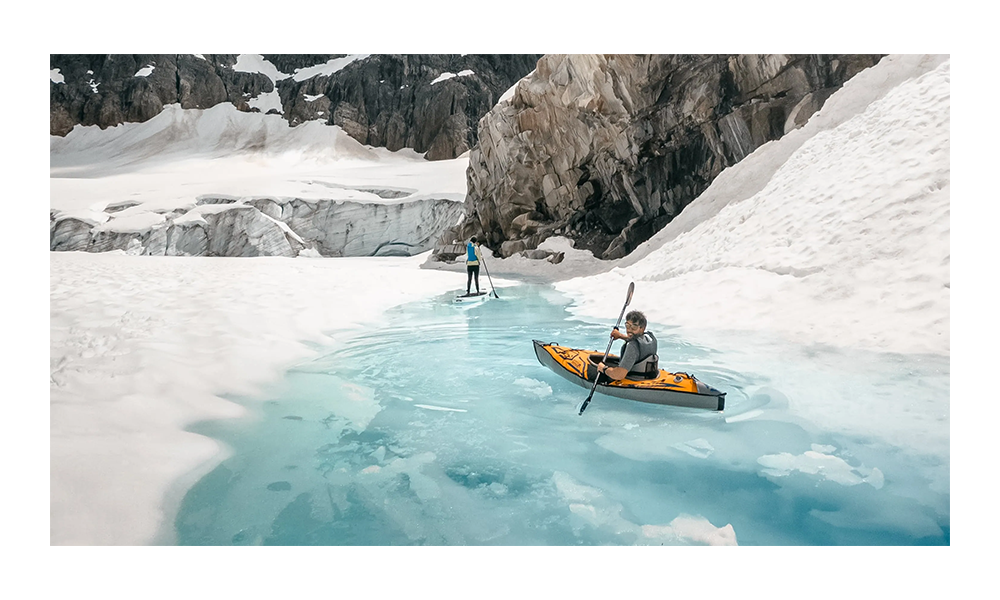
448, 252
536, 254
392, 100
385, 100
610, 148
511, 247
103, 90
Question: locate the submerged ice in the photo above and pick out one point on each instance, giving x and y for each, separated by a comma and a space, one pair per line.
441, 428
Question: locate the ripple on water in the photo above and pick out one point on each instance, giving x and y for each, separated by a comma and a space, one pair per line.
438, 426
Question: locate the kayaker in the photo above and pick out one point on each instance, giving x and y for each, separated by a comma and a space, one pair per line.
472, 264
639, 351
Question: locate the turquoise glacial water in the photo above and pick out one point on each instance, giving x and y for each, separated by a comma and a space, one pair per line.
439, 427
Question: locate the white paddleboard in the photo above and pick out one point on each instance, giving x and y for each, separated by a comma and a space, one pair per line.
474, 297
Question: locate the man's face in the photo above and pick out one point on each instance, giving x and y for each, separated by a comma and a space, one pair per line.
631, 329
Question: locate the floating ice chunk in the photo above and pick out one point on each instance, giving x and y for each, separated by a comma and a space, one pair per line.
56, 77
145, 71
811, 462
379, 454
823, 448
422, 485
699, 448
586, 511
695, 530
874, 478
592, 509
352, 406
497, 488
538, 388
430, 407
573, 491
312, 97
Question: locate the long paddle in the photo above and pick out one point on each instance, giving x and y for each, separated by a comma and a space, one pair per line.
483, 259
631, 288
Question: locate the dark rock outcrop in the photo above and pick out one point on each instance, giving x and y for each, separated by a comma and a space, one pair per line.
431, 103
105, 90
428, 102
607, 149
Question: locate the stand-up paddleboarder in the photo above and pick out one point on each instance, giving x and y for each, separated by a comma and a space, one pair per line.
472, 264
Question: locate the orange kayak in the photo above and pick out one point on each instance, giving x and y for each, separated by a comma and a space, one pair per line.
674, 389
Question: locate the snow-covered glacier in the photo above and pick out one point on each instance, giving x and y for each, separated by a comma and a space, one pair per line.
220, 182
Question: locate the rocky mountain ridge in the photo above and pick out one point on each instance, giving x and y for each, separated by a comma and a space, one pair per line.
430, 103
602, 149
607, 149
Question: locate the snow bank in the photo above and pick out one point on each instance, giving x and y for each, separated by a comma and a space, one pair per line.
445, 76
140, 347
846, 243
328, 68
256, 63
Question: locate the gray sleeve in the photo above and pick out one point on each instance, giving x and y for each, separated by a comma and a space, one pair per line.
629, 355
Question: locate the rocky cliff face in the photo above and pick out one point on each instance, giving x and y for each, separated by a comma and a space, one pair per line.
607, 149
430, 103
263, 227
108, 89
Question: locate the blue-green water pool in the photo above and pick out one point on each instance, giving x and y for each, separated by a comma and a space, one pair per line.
438, 426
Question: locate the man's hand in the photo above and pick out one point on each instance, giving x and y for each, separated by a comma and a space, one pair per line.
614, 373
617, 335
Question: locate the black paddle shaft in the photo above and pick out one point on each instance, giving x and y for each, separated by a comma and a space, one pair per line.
495, 294
631, 288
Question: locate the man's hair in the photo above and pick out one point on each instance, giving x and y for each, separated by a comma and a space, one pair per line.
636, 318
473, 239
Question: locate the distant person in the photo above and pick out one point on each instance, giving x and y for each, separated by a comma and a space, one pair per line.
472, 265
638, 356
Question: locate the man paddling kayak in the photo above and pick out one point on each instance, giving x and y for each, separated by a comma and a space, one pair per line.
639, 352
